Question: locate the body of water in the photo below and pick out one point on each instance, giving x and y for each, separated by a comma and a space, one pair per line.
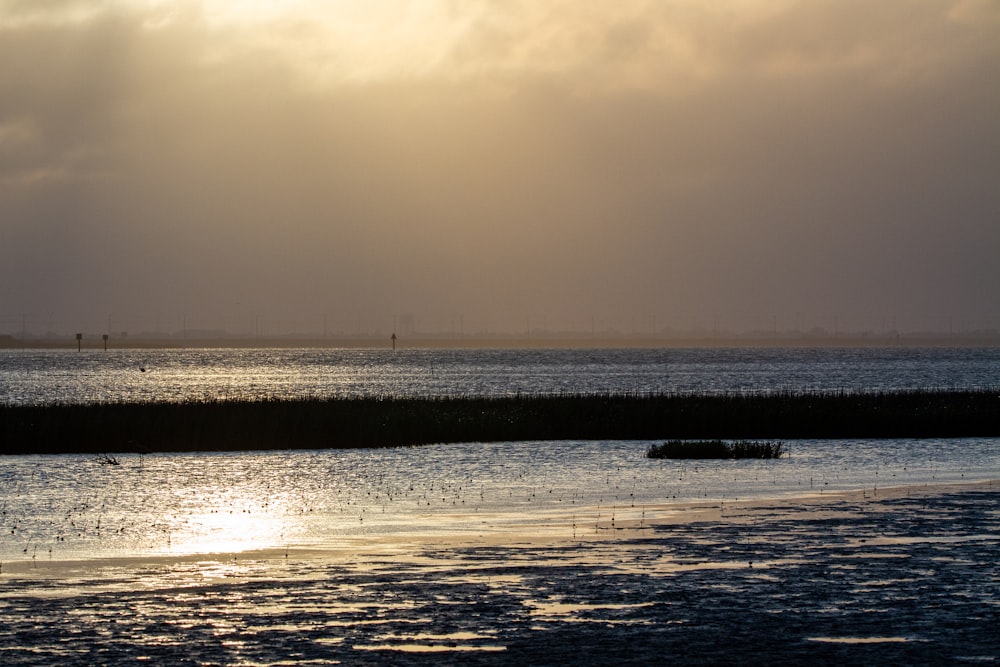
68, 376
75, 507
347, 556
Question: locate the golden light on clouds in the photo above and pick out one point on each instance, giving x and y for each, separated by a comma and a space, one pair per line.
560, 161
651, 45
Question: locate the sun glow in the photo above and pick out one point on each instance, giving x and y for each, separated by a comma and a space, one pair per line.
220, 520
346, 40
227, 532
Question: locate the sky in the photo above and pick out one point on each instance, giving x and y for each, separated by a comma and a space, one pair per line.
480, 166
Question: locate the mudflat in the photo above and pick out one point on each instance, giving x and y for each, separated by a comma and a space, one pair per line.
905, 575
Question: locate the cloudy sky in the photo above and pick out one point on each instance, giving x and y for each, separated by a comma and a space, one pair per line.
558, 164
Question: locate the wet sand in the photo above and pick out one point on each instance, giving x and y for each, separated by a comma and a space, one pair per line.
891, 576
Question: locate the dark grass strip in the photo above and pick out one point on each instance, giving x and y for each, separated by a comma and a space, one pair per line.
387, 421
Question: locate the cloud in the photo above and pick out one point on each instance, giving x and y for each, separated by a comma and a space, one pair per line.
731, 160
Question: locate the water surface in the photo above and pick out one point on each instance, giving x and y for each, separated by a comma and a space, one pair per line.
68, 376
72, 506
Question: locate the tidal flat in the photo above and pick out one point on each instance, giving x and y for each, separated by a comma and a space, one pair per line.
896, 575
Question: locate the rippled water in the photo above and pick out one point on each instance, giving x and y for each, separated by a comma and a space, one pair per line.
66, 507
68, 376
923, 583
74, 507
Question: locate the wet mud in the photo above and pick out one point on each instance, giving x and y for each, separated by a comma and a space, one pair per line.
912, 579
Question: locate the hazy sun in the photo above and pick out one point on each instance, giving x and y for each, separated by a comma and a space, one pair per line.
225, 532
346, 39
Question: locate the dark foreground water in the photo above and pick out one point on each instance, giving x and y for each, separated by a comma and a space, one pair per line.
906, 580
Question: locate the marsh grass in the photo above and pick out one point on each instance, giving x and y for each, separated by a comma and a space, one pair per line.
716, 449
384, 421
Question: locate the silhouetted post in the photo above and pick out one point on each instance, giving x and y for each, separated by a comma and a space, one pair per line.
79, 337
394, 342
105, 336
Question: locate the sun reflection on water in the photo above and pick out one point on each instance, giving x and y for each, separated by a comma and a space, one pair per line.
225, 503
227, 531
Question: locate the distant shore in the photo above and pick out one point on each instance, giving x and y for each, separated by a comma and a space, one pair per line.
417, 341
385, 421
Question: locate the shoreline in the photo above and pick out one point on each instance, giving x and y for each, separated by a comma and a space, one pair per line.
93, 342
545, 530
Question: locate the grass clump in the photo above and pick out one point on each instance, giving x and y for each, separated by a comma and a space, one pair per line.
715, 449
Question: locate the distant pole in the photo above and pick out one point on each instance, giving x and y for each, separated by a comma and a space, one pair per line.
105, 342
79, 337
393, 341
